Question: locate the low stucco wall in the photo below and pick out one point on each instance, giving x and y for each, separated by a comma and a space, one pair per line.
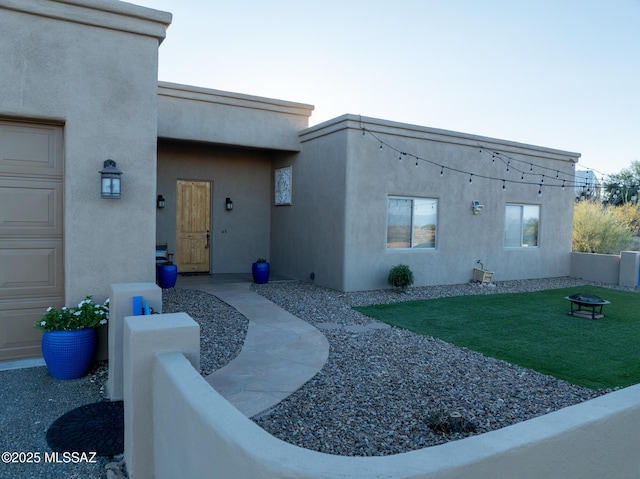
603, 268
197, 433
622, 269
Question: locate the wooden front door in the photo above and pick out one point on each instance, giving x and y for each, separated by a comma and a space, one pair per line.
193, 223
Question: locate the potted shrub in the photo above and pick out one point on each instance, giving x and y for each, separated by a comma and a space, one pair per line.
401, 277
260, 271
69, 341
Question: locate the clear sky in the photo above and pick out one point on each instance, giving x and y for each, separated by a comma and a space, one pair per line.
563, 74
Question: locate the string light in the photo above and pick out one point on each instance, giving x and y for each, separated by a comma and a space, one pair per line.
508, 161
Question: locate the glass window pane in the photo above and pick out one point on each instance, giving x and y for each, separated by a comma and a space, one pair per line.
521, 226
530, 219
399, 223
425, 218
513, 226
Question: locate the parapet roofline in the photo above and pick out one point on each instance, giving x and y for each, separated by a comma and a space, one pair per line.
120, 16
241, 100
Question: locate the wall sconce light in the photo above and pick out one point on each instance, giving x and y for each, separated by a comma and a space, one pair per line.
476, 207
229, 204
160, 202
110, 180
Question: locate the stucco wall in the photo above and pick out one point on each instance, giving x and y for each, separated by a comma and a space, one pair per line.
594, 439
192, 113
238, 237
92, 67
604, 268
367, 175
308, 236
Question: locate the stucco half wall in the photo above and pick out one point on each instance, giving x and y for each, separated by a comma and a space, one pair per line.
336, 228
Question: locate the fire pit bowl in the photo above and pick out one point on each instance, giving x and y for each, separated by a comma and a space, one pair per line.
586, 300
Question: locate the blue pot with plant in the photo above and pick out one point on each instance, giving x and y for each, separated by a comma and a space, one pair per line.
69, 341
260, 271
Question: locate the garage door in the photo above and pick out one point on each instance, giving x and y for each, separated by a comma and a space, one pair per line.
31, 247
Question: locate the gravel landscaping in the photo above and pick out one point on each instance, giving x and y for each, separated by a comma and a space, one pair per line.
384, 391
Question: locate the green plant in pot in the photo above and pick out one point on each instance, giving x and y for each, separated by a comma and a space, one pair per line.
260, 271
69, 341
400, 277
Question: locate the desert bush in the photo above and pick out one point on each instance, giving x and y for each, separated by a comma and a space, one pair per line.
597, 229
401, 276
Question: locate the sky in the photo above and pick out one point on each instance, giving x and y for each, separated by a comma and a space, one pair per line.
562, 74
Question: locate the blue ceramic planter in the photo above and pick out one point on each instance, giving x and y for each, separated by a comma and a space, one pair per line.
260, 272
167, 275
69, 354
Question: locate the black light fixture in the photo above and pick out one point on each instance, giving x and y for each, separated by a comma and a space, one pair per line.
160, 202
110, 180
229, 204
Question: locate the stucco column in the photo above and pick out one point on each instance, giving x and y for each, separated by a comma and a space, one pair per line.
629, 269
120, 306
143, 338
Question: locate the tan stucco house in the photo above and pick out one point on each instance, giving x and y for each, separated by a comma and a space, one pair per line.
241, 176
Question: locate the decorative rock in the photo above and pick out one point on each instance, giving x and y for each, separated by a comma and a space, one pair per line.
381, 385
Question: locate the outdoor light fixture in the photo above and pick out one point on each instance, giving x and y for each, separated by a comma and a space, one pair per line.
110, 176
160, 202
229, 204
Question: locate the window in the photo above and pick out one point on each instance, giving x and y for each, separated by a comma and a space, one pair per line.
521, 226
411, 222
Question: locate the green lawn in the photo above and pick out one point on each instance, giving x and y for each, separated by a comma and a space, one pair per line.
534, 330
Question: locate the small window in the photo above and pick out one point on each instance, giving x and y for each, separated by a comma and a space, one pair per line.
411, 222
521, 226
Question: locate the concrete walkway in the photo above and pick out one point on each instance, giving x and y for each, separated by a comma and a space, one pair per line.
281, 352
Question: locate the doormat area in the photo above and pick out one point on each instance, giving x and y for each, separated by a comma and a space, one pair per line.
97, 427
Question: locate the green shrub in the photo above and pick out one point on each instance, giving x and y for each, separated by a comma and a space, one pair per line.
400, 276
598, 229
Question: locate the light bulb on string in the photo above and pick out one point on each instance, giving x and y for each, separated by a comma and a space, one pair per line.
563, 184
508, 165
522, 177
539, 190
470, 178
442, 171
503, 185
